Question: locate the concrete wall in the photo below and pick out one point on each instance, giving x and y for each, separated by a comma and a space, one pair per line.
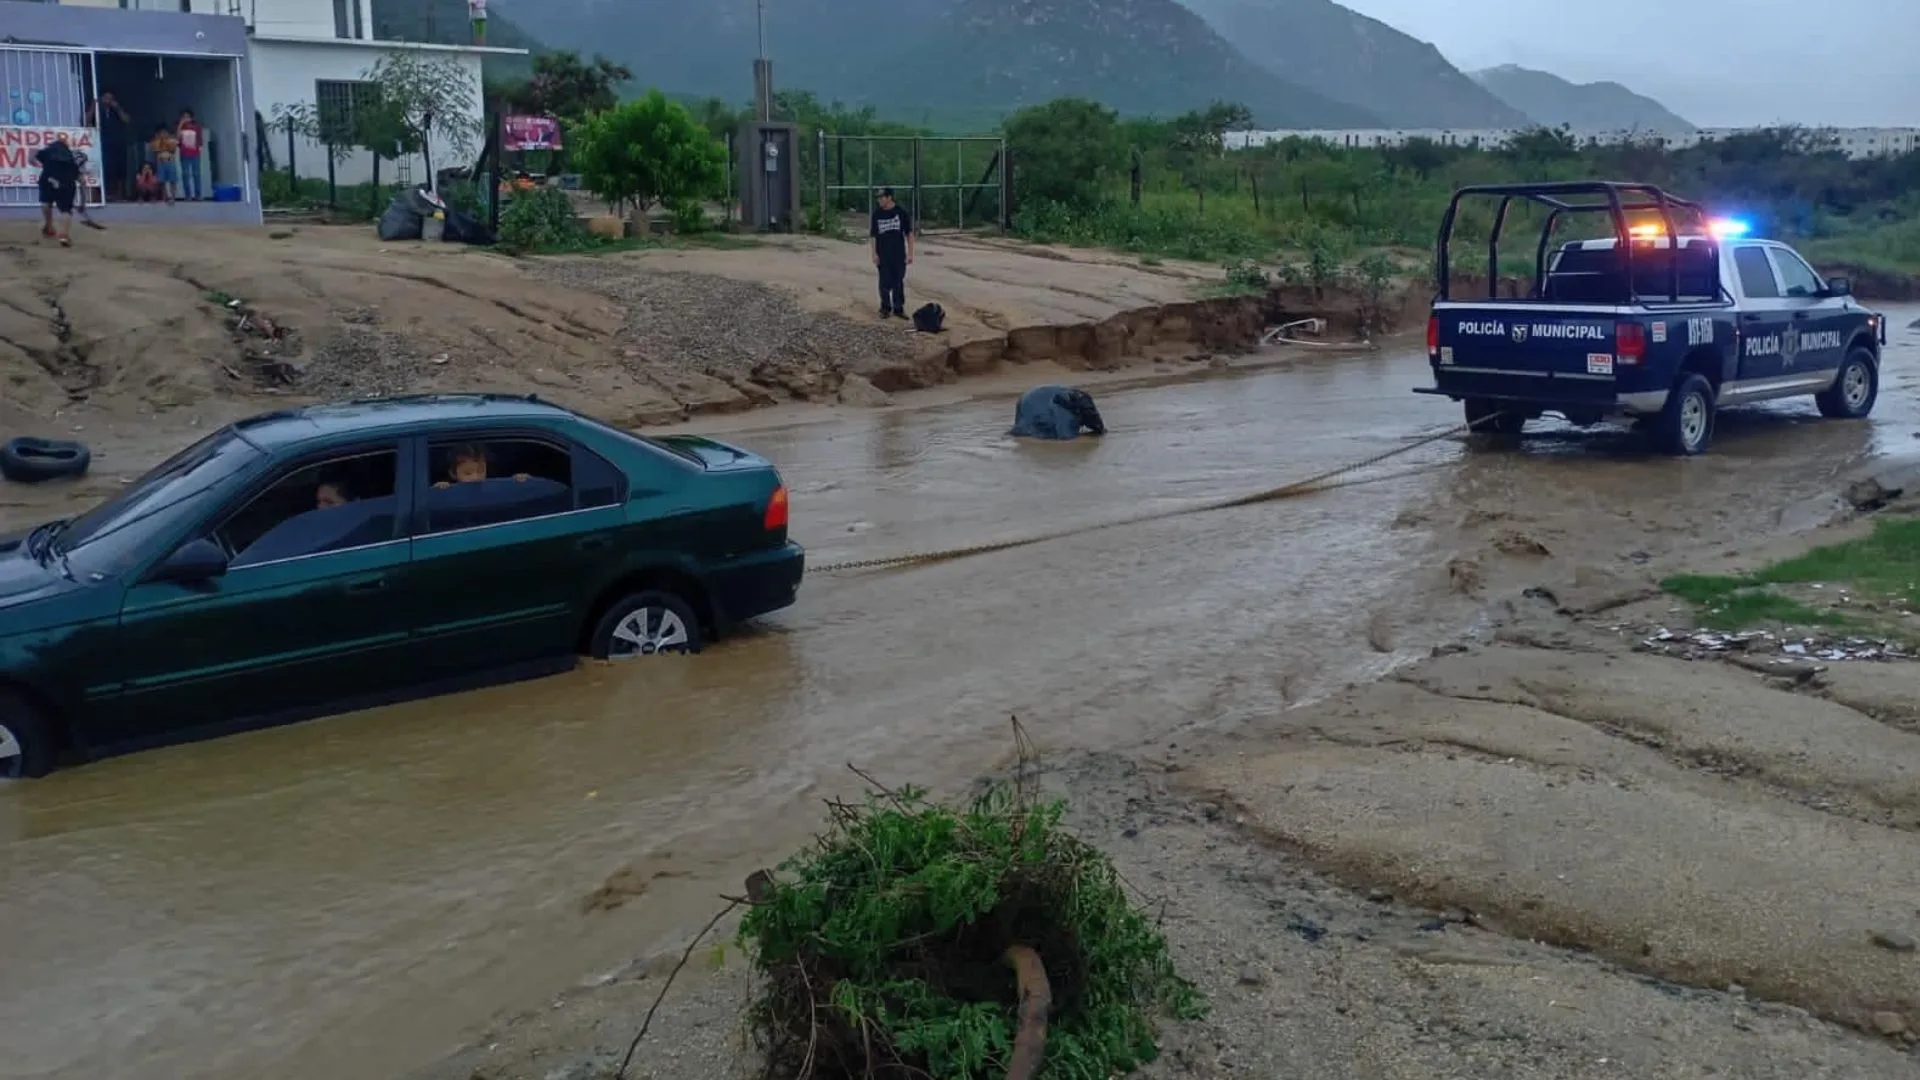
1854, 142
114, 30
292, 18
285, 73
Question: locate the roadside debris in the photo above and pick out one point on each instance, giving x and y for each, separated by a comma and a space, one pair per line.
1699, 644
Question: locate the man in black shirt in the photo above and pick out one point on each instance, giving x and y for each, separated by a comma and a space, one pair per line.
892, 237
59, 186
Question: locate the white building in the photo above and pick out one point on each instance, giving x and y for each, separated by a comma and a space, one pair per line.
1854, 142
315, 52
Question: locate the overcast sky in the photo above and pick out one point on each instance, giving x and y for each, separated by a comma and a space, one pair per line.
1853, 63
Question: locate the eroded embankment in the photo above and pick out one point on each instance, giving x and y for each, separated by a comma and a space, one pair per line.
1691, 820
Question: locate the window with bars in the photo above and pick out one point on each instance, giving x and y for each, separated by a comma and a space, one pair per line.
337, 102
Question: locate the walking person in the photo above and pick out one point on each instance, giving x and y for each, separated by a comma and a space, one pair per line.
59, 186
892, 237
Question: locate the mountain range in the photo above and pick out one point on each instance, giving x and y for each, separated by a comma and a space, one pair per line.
1554, 101
961, 63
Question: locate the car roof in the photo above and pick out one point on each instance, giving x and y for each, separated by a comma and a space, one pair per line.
367, 416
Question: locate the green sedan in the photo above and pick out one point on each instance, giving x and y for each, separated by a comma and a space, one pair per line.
332, 558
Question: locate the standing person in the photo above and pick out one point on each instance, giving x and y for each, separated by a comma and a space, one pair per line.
59, 185
477, 13
116, 130
891, 234
166, 159
193, 139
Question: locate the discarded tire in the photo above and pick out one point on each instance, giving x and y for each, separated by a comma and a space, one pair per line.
27, 460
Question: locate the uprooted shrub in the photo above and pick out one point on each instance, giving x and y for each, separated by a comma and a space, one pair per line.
893, 947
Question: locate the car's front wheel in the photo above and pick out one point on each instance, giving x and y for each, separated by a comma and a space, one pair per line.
26, 740
1854, 389
646, 624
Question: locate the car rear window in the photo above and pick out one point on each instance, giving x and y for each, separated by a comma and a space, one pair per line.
1593, 275
681, 453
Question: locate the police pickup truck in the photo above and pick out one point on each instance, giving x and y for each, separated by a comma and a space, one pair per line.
1672, 317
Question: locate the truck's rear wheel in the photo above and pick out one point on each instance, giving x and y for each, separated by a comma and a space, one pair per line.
1854, 389
1488, 418
1685, 426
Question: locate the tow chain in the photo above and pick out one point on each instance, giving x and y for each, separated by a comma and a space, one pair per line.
1318, 482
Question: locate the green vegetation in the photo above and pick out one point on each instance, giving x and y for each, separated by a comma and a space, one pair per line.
1866, 585
882, 947
650, 152
1172, 188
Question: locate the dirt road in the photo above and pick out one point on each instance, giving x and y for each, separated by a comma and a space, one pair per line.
355, 897
139, 334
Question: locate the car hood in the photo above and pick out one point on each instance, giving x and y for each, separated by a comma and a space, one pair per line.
23, 580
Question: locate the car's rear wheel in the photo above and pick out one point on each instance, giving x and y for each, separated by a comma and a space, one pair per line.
1685, 427
26, 739
1488, 418
1854, 390
646, 624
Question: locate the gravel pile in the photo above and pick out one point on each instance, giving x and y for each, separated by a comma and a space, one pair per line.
730, 329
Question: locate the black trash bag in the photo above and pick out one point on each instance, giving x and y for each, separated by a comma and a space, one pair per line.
930, 319
467, 229
1056, 412
401, 221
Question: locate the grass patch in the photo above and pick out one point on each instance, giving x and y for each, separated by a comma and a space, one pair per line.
884, 948
1868, 583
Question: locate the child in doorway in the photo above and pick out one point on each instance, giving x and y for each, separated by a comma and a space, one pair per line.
193, 139
477, 12
147, 186
166, 159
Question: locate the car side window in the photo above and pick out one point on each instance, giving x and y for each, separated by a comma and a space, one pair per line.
596, 482
483, 482
1799, 278
333, 505
1756, 273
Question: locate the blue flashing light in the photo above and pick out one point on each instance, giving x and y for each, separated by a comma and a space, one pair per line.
1730, 227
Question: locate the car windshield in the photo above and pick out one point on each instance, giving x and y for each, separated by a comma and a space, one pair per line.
111, 536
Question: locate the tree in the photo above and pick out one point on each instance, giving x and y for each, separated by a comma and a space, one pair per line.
568, 88
649, 152
1065, 151
418, 99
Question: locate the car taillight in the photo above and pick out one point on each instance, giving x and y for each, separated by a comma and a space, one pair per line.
776, 517
1629, 342
1433, 334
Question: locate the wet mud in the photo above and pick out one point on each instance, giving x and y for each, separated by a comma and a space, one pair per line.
360, 895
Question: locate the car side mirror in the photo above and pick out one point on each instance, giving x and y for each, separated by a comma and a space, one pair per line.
1839, 286
196, 562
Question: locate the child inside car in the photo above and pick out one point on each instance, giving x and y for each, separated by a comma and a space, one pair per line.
470, 466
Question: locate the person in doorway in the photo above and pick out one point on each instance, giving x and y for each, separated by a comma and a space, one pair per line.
193, 139
477, 14
116, 142
892, 235
147, 186
166, 159
59, 186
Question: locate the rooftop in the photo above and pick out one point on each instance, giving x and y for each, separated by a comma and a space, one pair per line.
289, 426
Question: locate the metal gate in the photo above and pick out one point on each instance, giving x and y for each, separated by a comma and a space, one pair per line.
944, 181
42, 91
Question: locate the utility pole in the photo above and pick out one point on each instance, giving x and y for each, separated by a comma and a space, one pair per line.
762, 69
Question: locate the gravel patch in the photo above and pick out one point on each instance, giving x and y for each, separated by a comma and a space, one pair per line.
728, 329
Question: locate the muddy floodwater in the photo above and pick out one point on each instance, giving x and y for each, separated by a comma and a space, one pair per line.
354, 896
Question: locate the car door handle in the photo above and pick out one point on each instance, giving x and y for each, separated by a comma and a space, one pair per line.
594, 543
367, 585
1799, 314
1750, 317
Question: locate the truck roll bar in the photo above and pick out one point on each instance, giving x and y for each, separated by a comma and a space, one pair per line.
1620, 199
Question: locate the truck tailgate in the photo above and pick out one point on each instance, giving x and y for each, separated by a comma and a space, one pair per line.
1492, 341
